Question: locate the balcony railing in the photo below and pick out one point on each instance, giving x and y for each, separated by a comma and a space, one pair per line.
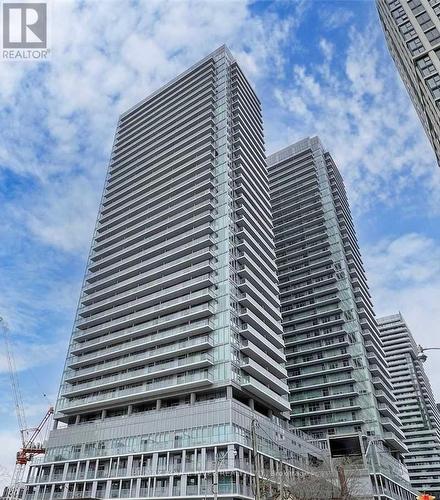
147, 356
163, 292
146, 286
152, 324
96, 275
141, 389
165, 335
209, 291
149, 370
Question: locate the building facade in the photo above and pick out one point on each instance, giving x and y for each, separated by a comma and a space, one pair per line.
177, 350
339, 384
412, 32
417, 408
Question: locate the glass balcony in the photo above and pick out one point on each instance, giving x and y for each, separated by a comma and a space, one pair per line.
142, 390
208, 293
267, 378
160, 250
249, 317
148, 356
151, 267
161, 323
192, 489
162, 491
139, 173
182, 190
275, 364
193, 361
201, 156
254, 386
134, 227
159, 232
195, 327
163, 292
180, 143
141, 230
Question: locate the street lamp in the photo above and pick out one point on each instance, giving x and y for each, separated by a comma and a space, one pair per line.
421, 354
218, 461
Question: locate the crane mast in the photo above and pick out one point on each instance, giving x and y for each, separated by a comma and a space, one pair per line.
29, 444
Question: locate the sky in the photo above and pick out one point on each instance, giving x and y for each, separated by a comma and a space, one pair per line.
319, 67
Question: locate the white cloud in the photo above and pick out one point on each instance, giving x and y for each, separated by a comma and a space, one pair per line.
29, 355
327, 48
359, 108
410, 259
64, 218
335, 18
107, 56
404, 275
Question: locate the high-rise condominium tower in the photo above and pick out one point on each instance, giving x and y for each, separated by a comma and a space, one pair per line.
418, 412
338, 378
177, 350
412, 32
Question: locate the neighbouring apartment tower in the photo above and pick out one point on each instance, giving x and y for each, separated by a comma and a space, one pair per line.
417, 408
412, 32
340, 389
177, 348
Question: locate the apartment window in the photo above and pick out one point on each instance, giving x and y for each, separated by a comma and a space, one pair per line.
437, 10
433, 36
393, 3
425, 21
426, 66
416, 6
415, 46
434, 85
357, 362
399, 15
407, 30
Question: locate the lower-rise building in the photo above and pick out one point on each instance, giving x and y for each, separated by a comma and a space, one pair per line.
418, 411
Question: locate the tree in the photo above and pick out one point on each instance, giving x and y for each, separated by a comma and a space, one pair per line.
344, 480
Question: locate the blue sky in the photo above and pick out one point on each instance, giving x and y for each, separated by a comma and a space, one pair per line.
319, 67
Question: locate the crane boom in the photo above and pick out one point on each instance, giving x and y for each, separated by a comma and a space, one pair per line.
18, 399
29, 446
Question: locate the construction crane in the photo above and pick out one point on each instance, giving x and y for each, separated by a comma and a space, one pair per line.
29, 444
